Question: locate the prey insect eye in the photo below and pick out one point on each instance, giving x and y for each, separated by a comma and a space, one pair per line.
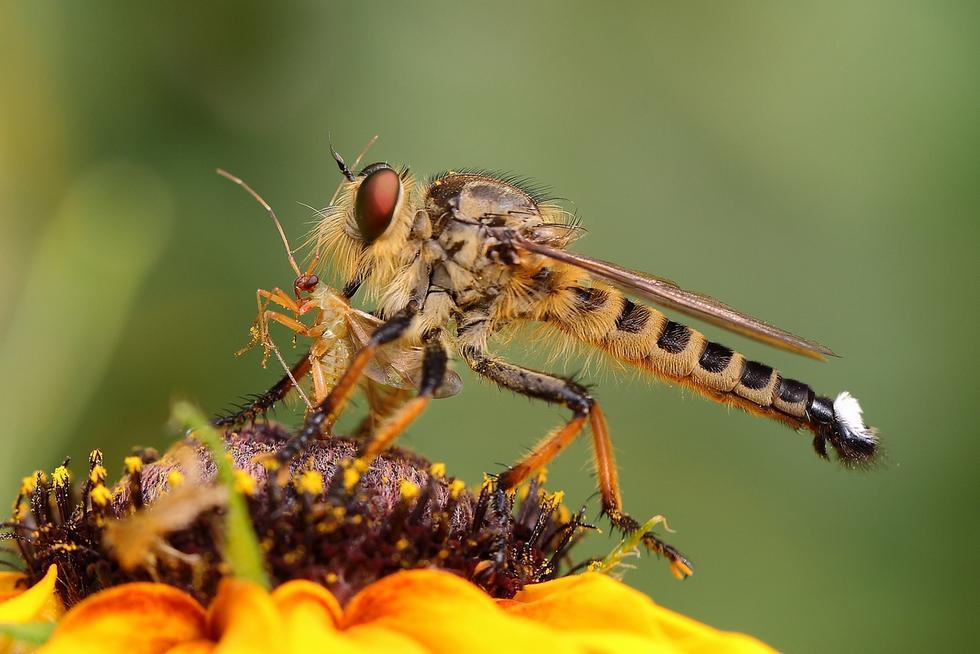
376, 199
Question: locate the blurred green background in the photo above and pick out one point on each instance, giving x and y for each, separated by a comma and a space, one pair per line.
816, 166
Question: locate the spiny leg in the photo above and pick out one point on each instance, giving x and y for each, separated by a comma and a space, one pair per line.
261, 405
327, 411
567, 393
612, 503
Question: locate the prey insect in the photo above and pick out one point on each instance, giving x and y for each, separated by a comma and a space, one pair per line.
457, 260
337, 333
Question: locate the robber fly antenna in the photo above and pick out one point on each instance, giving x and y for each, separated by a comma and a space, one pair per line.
340, 162
272, 214
350, 178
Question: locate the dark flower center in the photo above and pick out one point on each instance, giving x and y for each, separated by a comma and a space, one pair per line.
162, 521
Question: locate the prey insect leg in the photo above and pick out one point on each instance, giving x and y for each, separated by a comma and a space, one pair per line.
567, 393
327, 411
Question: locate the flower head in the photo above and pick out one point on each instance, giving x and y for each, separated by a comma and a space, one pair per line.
395, 558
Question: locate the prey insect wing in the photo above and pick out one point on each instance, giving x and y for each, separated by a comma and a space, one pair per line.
394, 364
697, 305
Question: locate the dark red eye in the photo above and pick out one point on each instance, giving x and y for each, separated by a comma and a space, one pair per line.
375, 203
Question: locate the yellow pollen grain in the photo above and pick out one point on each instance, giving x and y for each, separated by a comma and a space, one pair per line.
244, 483
408, 490
456, 488
443, 554
356, 520
97, 475
542, 476
361, 465
61, 476
351, 477
339, 512
175, 478
100, 495
556, 498
330, 577
269, 462
564, 515
311, 482
522, 492
438, 470
133, 464
402, 544
28, 484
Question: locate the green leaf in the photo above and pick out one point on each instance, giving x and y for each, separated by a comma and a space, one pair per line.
243, 552
29, 633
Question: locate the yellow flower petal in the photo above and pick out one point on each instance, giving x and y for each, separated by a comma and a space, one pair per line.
193, 647
446, 614
585, 605
137, 618
36, 603
310, 615
244, 619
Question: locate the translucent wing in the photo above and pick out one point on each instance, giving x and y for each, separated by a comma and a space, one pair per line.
667, 294
395, 365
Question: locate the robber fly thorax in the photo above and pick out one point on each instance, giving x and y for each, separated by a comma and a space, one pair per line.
453, 262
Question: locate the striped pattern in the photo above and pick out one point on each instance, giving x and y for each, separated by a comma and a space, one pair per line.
645, 337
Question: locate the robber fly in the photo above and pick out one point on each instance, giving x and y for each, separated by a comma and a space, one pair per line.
453, 261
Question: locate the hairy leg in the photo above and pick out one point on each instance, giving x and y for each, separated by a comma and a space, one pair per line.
556, 390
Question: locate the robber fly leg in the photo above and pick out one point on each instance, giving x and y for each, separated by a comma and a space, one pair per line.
567, 393
261, 404
612, 503
543, 387
326, 412
433, 373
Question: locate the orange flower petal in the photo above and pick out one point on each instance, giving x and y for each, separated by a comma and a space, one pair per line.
446, 614
9, 581
591, 603
192, 647
310, 615
137, 618
243, 619
36, 603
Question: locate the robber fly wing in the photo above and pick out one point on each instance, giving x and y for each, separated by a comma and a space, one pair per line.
667, 294
395, 365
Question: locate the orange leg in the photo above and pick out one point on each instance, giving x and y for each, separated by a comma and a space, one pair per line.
560, 391
325, 413
391, 428
542, 453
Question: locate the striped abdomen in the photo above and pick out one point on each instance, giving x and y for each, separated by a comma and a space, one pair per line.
644, 337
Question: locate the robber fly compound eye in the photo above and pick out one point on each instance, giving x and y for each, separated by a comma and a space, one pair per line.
377, 198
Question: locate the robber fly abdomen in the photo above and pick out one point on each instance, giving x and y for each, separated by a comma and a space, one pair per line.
644, 337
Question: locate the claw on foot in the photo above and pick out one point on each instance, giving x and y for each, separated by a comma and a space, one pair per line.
636, 534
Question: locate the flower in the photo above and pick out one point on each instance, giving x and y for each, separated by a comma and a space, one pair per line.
415, 611
204, 550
